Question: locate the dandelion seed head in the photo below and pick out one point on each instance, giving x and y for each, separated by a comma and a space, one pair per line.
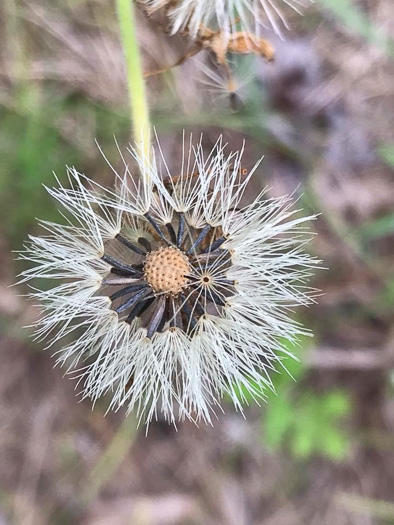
227, 15
170, 291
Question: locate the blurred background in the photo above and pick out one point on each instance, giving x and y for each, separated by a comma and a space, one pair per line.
322, 450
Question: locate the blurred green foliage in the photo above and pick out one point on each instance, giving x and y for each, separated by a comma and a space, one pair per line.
308, 426
302, 421
23, 174
387, 154
35, 144
359, 23
297, 418
379, 227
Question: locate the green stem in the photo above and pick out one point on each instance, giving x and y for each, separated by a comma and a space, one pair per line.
135, 76
111, 459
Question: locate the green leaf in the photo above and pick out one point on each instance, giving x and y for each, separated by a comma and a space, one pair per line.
278, 420
307, 425
302, 445
387, 153
378, 227
336, 404
335, 445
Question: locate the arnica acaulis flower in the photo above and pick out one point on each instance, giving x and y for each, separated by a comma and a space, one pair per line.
172, 295
226, 15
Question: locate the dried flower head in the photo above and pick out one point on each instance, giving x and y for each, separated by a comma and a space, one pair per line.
171, 295
226, 15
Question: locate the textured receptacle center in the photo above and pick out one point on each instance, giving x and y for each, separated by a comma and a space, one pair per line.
166, 270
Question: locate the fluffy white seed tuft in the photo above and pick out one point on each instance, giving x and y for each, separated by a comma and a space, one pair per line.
227, 15
231, 337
